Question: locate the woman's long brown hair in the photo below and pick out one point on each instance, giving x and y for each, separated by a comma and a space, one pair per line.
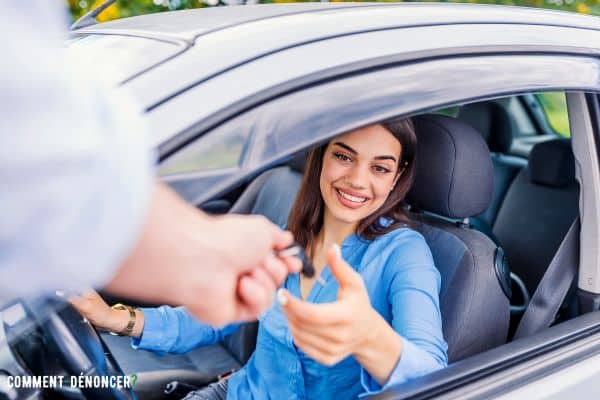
306, 217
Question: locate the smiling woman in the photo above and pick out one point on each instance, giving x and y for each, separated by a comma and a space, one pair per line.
376, 318
352, 195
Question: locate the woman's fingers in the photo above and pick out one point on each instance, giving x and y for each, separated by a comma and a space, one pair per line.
318, 347
315, 314
330, 336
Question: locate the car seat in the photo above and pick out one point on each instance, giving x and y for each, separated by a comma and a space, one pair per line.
540, 206
454, 181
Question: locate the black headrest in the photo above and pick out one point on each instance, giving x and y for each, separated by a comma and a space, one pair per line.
552, 163
492, 121
454, 176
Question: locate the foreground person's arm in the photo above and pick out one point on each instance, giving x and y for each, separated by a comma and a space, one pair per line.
221, 268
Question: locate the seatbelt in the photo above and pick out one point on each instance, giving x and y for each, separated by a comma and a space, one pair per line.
553, 287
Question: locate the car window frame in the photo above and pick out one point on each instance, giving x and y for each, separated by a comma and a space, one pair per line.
524, 77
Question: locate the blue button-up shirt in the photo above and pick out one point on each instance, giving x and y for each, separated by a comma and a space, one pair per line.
403, 286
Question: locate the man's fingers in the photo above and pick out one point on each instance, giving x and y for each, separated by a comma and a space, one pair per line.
268, 285
250, 295
308, 313
282, 239
278, 268
292, 264
256, 292
343, 273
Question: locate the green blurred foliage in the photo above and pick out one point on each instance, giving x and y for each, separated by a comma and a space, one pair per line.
128, 8
554, 105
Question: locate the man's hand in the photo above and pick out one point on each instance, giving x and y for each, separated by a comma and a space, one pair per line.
223, 269
244, 279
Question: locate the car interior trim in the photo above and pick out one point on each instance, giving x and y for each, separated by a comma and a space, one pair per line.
588, 173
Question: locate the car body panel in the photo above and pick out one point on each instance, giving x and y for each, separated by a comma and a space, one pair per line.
518, 364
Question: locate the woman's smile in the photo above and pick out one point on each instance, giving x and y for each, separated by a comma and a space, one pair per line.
350, 199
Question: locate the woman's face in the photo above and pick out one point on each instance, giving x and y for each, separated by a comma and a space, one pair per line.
359, 171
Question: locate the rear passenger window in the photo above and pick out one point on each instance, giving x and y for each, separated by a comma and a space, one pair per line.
209, 152
554, 105
451, 111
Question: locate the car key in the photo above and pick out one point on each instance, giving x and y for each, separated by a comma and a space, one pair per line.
308, 268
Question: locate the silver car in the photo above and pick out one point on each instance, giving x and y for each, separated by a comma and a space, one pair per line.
234, 96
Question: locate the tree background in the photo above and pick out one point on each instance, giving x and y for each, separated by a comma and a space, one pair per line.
128, 8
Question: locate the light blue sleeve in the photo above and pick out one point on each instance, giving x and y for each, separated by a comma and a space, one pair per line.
414, 298
174, 330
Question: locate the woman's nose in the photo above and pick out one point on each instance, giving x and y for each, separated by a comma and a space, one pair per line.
357, 178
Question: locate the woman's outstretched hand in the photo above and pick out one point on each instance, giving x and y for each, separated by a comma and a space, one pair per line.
332, 331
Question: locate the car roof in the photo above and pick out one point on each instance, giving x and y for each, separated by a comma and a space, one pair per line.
216, 42
189, 25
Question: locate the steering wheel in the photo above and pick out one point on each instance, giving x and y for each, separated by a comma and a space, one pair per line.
81, 350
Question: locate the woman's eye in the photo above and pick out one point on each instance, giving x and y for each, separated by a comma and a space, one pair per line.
341, 157
381, 170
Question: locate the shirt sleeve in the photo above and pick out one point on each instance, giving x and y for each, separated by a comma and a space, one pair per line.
414, 299
75, 165
174, 330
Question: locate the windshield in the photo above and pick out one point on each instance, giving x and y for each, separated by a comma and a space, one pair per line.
120, 57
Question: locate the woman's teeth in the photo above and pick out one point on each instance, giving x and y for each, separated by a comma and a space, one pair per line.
351, 198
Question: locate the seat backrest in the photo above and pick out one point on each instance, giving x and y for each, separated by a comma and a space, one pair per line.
494, 123
271, 194
454, 181
540, 206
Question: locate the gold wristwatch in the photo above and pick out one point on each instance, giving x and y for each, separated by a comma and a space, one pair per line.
129, 328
